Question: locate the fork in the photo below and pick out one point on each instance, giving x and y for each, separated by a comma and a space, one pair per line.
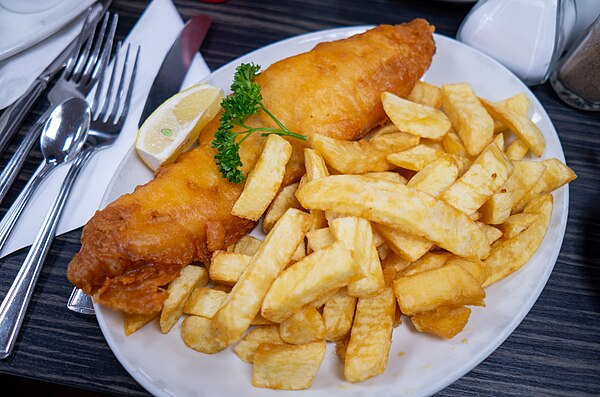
82, 71
108, 117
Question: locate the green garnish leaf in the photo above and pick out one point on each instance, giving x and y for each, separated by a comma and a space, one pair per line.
166, 132
245, 101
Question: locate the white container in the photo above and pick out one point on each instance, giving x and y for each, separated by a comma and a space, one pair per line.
29, 6
526, 36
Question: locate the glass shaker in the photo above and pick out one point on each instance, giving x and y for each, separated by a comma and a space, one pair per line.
526, 36
576, 78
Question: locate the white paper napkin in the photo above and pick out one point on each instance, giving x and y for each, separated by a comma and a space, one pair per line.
155, 31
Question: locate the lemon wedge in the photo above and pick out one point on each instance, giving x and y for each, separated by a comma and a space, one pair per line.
176, 124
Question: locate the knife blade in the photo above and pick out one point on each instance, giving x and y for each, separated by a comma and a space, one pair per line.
176, 63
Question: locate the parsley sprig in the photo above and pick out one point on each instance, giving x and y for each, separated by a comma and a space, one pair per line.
245, 101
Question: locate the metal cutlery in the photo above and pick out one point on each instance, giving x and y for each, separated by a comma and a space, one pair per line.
166, 83
108, 117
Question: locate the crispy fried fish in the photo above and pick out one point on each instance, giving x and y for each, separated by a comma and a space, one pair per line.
140, 242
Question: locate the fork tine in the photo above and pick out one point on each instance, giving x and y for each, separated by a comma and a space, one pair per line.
100, 75
121, 89
106, 49
93, 59
88, 24
111, 86
82, 58
127, 101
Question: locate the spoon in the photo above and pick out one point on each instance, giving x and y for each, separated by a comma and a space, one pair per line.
62, 137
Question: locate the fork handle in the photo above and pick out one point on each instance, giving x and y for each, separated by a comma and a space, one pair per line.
14, 305
13, 117
10, 172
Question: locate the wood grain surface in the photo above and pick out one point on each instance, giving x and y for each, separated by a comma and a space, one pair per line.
555, 351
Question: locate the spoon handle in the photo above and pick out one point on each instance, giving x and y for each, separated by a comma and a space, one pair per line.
14, 305
11, 218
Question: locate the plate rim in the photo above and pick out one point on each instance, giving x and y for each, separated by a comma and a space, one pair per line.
493, 345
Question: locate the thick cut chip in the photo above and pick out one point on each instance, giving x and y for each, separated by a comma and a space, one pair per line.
227, 267
370, 337
285, 199
319, 238
300, 252
304, 326
429, 261
394, 142
246, 347
426, 94
247, 245
199, 334
317, 304
315, 169
408, 246
204, 302
134, 321
338, 313
491, 233
436, 176
510, 255
264, 180
380, 131
516, 150
289, 367
179, 291
245, 299
448, 285
260, 320
555, 175
517, 103
383, 251
523, 180
308, 280
350, 157
516, 223
497, 208
453, 145
446, 322
415, 158
398, 206
525, 129
469, 118
395, 261
357, 236
341, 347
420, 120
499, 141
478, 269
488, 173
388, 175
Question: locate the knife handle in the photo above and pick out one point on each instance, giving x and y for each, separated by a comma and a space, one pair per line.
13, 116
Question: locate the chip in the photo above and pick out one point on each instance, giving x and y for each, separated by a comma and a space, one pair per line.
284, 200
516, 150
426, 94
304, 326
497, 209
415, 158
246, 347
134, 321
338, 313
446, 322
227, 267
204, 302
199, 334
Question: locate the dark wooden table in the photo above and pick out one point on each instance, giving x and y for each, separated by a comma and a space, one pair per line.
556, 349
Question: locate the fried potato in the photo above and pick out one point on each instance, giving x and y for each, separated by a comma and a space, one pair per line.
510, 255
488, 173
134, 321
264, 180
469, 119
290, 367
429, 261
246, 347
300, 252
453, 145
420, 120
478, 269
304, 326
357, 236
245, 299
247, 245
380, 131
426, 94
285, 199
350, 157
399, 206
394, 142
517, 103
415, 158
199, 334
338, 313
370, 337
525, 176
446, 322
383, 251
315, 169
308, 280
556, 174
377, 239
448, 285
491, 233
179, 291
525, 129
516, 223
319, 302
516, 150
260, 320
319, 239
395, 261
341, 347
436, 176
499, 141
497, 209
408, 246
204, 302
227, 267
388, 176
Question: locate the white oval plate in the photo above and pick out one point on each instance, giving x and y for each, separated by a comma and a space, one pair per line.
418, 364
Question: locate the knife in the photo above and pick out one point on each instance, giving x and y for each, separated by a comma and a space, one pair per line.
176, 64
167, 83
13, 116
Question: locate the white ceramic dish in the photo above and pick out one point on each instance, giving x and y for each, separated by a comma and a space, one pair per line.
19, 31
418, 364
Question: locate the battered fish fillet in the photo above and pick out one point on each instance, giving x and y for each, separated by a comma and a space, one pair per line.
139, 243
